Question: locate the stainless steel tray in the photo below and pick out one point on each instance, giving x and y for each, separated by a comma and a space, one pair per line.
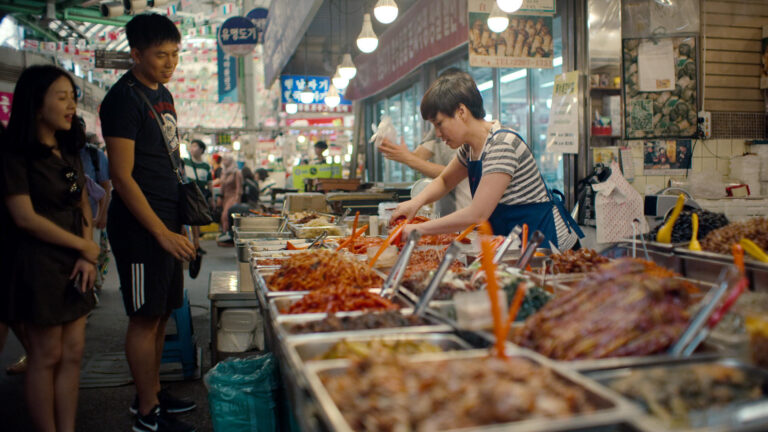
708, 265
269, 246
252, 235
278, 303
256, 223
302, 231
759, 416
310, 348
614, 409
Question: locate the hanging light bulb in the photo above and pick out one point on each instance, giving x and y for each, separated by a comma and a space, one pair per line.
306, 96
347, 69
509, 6
332, 98
497, 20
367, 40
385, 11
339, 81
291, 108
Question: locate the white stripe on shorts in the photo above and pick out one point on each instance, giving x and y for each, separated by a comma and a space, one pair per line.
137, 286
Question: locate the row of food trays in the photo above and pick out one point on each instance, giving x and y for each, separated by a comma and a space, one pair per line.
387, 369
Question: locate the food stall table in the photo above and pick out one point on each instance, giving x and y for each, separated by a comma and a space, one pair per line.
225, 291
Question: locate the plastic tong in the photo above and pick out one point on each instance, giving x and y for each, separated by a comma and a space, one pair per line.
389, 289
525, 258
635, 224
442, 269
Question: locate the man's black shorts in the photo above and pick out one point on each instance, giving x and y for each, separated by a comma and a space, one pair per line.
151, 279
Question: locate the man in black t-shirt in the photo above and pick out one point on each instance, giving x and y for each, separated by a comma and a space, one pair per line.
147, 239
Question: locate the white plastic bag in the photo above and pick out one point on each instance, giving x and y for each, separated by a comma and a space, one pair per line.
705, 185
385, 130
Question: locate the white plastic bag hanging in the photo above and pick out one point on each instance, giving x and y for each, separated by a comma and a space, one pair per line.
385, 130
617, 204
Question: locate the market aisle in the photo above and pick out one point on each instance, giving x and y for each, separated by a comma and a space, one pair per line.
106, 409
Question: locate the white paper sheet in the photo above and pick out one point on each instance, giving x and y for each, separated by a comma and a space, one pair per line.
656, 66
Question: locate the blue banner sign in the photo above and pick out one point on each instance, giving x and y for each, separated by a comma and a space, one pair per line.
258, 17
292, 85
238, 36
227, 70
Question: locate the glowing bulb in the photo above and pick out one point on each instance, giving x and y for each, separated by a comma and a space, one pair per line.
271, 158
497, 20
302, 139
367, 40
385, 11
236, 145
332, 98
291, 108
337, 159
306, 96
347, 157
339, 81
509, 6
347, 69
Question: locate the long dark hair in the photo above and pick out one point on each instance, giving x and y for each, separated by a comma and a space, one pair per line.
28, 97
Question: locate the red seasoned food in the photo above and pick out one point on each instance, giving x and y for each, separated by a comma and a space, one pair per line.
629, 308
269, 261
580, 261
427, 260
361, 244
367, 321
441, 239
336, 299
391, 394
316, 269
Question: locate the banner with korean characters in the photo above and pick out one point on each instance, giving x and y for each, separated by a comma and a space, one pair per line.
292, 85
563, 130
227, 71
527, 42
238, 36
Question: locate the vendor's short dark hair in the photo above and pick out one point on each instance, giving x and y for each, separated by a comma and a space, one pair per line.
321, 144
447, 93
146, 30
199, 144
454, 72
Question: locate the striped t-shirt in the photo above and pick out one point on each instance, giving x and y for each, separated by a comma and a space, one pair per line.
507, 153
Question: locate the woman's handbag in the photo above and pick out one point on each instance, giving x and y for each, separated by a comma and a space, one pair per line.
193, 208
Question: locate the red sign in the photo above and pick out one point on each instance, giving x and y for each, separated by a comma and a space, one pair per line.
5, 107
427, 29
317, 121
321, 107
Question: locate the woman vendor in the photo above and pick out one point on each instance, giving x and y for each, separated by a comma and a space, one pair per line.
507, 187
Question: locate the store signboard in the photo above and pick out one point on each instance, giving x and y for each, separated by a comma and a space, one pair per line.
428, 29
563, 130
292, 85
227, 70
526, 43
302, 172
538, 6
287, 23
104, 59
6, 99
237, 36
258, 17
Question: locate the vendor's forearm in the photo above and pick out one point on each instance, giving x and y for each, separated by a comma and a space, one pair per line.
456, 221
137, 204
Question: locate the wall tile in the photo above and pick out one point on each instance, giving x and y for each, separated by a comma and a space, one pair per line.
708, 164
698, 148
697, 164
724, 147
738, 146
724, 167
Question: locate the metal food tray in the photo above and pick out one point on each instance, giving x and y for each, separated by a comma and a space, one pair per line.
260, 275
256, 223
662, 254
310, 348
252, 235
614, 408
283, 324
605, 377
278, 303
303, 231
708, 265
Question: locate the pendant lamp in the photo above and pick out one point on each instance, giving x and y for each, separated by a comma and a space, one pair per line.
509, 6
385, 11
339, 81
497, 20
306, 95
347, 68
367, 40
332, 98
291, 108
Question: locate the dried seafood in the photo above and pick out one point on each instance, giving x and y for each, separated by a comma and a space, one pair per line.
336, 299
721, 240
316, 269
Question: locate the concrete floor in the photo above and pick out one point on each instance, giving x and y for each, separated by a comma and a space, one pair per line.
106, 409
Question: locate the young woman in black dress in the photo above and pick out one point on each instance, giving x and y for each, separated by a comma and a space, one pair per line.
53, 258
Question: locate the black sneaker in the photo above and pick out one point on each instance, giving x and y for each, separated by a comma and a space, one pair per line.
168, 402
160, 421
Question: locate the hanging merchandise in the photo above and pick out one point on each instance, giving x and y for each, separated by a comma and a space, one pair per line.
617, 205
563, 130
237, 36
526, 42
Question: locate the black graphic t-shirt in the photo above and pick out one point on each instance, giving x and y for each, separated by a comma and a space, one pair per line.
124, 114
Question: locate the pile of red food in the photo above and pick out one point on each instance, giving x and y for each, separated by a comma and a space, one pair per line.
425, 261
321, 268
441, 239
629, 308
341, 299
360, 245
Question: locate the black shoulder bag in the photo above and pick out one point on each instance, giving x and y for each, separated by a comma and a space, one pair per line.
193, 208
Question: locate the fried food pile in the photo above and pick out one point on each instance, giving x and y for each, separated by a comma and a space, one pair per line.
580, 261
317, 269
721, 240
629, 308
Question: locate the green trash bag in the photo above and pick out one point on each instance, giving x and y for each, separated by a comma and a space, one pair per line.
240, 394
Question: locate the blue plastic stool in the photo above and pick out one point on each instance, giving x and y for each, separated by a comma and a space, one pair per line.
181, 347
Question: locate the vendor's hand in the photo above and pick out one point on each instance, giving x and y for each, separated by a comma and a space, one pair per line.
407, 230
177, 245
87, 273
392, 151
90, 251
405, 210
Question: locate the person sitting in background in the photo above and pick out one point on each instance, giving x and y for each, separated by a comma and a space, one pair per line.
266, 183
320, 147
250, 188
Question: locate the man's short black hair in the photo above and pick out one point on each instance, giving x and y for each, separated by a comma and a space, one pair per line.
447, 93
199, 144
321, 144
146, 30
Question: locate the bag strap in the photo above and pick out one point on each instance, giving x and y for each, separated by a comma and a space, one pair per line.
169, 149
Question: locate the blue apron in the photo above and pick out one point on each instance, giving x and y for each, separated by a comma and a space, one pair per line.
538, 216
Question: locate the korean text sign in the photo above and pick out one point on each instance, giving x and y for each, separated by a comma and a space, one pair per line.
238, 36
